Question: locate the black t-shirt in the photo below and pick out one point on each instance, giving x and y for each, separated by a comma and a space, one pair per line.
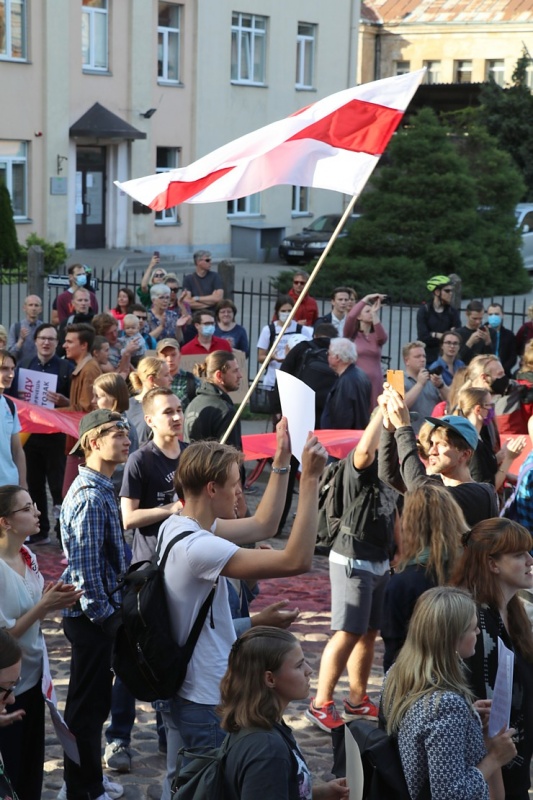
149, 478
201, 287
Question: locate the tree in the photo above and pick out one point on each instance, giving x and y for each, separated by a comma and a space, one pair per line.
9, 246
507, 115
423, 216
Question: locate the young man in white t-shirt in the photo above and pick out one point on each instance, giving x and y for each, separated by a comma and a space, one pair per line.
208, 479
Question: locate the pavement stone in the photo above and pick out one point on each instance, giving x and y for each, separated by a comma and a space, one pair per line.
309, 592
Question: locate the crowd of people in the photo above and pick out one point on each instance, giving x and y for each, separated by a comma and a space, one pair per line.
426, 559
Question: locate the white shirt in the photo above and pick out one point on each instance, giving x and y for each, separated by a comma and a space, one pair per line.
193, 565
263, 342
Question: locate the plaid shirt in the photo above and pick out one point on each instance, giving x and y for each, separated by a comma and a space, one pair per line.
180, 386
93, 543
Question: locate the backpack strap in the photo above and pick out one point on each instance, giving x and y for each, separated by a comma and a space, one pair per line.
10, 405
169, 547
272, 329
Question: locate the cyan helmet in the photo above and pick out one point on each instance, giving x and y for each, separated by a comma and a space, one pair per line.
437, 281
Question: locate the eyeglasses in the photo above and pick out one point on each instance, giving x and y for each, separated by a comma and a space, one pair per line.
174, 289
46, 338
6, 692
298, 283
452, 344
143, 317
26, 508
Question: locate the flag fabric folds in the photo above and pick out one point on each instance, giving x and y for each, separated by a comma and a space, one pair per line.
334, 143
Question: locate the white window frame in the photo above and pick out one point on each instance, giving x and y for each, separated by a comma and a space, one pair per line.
246, 35
433, 74
9, 161
529, 76
91, 13
249, 206
305, 53
300, 201
495, 69
167, 34
168, 216
9, 6
459, 69
402, 67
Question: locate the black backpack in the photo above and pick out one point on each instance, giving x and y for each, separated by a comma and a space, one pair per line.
146, 658
360, 520
316, 373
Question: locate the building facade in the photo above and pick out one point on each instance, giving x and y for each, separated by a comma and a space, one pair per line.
94, 91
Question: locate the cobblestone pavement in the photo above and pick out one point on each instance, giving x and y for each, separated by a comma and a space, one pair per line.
310, 593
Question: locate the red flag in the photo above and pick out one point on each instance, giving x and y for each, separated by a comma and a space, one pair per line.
333, 144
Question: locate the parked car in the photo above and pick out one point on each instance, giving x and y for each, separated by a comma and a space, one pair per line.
310, 243
524, 218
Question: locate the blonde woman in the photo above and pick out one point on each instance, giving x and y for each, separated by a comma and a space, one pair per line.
151, 373
431, 528
429, 706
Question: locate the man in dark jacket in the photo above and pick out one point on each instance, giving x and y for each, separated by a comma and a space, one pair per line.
211, 411
348, 403
436, 317
503, 340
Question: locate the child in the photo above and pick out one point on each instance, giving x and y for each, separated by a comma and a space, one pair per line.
132, 333
100, 352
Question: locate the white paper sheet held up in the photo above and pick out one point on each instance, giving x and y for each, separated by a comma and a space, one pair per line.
500, 711
34, 385
298, 405
354, 766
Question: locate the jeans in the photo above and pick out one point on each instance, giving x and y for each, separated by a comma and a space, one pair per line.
189, 725
122, 714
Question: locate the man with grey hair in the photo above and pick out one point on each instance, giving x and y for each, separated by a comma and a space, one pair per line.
20, 340
348, 403
203, 288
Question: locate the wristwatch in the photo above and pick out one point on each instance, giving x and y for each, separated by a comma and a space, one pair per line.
281, 470
196, 297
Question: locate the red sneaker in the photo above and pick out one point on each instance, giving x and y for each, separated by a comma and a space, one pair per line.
326, 717
366, 708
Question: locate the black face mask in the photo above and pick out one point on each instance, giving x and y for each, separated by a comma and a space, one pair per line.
499, 385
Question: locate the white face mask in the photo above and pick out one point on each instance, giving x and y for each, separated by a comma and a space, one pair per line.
283, 316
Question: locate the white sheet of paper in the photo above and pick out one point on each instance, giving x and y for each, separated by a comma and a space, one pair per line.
500, 711
354, 766
66, 738
298, 405
34, 385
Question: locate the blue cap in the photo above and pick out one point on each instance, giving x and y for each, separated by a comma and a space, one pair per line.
460, 425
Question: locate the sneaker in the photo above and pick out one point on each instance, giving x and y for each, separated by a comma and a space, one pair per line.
117, 756
39, 538
326, 716
366, 708
112, 791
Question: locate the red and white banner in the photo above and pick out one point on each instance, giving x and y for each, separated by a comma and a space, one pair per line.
334, 143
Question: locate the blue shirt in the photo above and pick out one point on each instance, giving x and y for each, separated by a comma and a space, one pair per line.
93, 543
446, 375
524, 495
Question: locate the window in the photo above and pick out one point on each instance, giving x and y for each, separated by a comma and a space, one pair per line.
305, 55
463, 72
13, 29
168, 43
248, 49
13, 173
494, 70
402, 67
529, 76
94, 35
245, 206
433, 71
300, 201
167, 158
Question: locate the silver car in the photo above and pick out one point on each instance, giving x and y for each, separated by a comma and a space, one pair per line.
524, 218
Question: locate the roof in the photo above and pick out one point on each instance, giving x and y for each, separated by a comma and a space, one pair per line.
448, 11
99, 123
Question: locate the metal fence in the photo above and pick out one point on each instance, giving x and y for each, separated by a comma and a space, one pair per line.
255, 301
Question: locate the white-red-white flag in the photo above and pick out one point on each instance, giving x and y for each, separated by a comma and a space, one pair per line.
332, 144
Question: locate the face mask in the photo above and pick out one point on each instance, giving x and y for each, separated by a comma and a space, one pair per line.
81, 280
283, 316
208, 330
494, 320
490, 416
499, 385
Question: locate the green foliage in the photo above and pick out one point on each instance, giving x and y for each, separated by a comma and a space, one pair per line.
507, 115
422, 217
9, 246
55, 255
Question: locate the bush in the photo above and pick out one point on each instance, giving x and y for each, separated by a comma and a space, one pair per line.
55, 255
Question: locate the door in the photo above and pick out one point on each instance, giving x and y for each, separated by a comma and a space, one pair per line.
90, 196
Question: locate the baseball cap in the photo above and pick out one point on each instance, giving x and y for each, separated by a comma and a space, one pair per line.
167, 343
93, 420
460, 425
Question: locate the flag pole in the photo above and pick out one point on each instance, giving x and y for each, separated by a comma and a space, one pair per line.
299, 301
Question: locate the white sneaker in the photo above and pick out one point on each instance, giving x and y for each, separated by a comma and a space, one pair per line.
112, 790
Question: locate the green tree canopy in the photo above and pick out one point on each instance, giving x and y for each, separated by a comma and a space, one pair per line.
9, 246
441, 204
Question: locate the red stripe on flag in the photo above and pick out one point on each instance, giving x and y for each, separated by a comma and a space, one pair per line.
358, 126
180, 191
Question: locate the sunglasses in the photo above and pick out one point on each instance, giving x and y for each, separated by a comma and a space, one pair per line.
119, 425
142, 318
298, 283
206, 259
159, 275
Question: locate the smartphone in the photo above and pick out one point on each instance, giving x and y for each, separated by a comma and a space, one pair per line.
395, 379
156, 253
436, 370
